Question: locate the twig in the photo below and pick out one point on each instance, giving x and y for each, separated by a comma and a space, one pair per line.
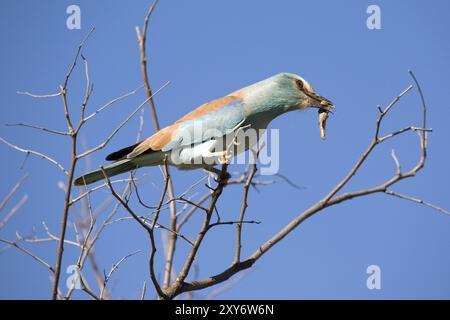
149, 229
35, 257
12, 192
416, 200
104, 143
111, 102
142, 37
88, 88
65, 216
188, 214
224, 223
73, 162
177, 285
41, 155
113, 269
39, 96
144, 290
244, 206
373, 144
84, 194
32, 126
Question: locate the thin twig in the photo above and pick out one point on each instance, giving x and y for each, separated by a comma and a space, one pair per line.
38, 154
117, 129
149, 229
39, 96
111, 102
35, 257
144, 290
73, 162
114, 267
416, 200
177, 285
244, 206
32, 126
12, 192
142, 37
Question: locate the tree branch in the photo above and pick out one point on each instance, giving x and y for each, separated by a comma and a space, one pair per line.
331, 199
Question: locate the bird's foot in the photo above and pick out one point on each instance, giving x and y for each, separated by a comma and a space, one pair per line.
224, 157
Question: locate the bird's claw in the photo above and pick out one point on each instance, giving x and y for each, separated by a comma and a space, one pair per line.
225, 157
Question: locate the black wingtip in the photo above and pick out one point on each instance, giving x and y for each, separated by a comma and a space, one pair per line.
78, 181
121, 153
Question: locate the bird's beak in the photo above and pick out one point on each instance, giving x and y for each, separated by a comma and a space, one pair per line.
326, 105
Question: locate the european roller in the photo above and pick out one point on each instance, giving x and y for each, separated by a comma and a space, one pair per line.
202, 137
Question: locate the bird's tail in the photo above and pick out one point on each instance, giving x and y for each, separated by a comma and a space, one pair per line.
110, 170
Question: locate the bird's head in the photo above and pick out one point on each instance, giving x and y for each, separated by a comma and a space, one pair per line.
293, 92
297, 93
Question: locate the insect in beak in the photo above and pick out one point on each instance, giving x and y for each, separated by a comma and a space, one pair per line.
326, 106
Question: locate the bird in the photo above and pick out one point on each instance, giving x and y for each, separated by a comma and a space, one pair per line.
197, 139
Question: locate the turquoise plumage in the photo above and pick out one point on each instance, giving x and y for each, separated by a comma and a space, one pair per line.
196, 139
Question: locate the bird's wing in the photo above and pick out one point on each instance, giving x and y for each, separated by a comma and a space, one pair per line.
214, 119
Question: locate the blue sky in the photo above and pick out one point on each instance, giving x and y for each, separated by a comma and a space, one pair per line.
208, 49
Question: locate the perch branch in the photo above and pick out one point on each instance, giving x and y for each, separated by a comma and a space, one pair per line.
329, 200
142, 38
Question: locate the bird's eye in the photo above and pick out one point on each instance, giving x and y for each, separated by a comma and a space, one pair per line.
299, 84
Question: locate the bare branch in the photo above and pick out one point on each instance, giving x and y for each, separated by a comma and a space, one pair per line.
397, 162
329, 200
51, 237
226, 286
35, 257
104, 143
13, 211
38, 154
113, 269
74, 62
244, 206
88, 90
416, 200
192, 210
12, 192
149, 229
142, 37
372, 145
63, 88
84, 194
39, 96
177, 285
144, 290
395, 133
65, 215
111, 102
224, 223
32, 126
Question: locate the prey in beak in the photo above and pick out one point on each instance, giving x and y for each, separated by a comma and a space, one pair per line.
326, 106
